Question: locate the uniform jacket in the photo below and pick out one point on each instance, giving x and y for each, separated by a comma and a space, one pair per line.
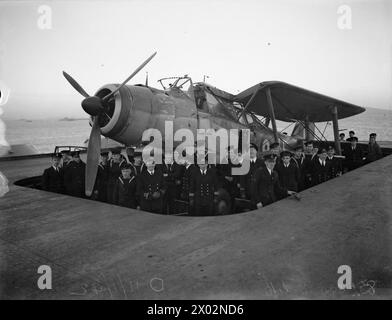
125, 192
76, 173
374, 152
320, 173
354, 157
289, 177
248, 180
203, 187
267, 186
336, 166
52, 180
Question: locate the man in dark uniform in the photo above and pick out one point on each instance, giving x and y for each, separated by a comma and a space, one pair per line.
100, 188
151, 188
351, 136
321, 169
302, 163
125, 189
67, 179
115, 165
77, 175
172, 175
247, 180
267, 185
374, 151
336, 168
229, 182
342, 137
52, 178
354, 155
310, 154
275, 149
288, 172
203, 190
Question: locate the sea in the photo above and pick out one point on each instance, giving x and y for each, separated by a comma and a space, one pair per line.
45, 134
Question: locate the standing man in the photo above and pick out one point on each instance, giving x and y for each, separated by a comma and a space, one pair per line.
77, 175
335, 163
203, 190
288, 171
67, 179
100, 189
342, 137
303, 164
151, 188
310, 153
267, 186
321, 169
247, 181
172, 175
351, 136
115, 165
52, 178
354, 155
374, 151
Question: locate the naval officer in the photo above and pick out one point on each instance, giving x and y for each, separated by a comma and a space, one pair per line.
52, 178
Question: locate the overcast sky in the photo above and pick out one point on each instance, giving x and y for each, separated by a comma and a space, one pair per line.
236, 43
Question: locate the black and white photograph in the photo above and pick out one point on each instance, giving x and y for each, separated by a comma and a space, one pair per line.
209, 151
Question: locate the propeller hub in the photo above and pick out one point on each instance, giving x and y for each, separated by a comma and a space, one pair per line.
92, 105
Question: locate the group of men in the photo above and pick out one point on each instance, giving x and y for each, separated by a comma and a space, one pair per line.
205, 189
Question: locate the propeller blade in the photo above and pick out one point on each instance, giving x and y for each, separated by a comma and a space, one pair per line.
93, 152
76, 85
130, 77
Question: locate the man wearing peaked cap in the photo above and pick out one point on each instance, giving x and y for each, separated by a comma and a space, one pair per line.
114, 171
76, 172
52, 178
321, 169
125, 189
247, 189
373, 151
288, 172
100, 187
335, 163
267, 184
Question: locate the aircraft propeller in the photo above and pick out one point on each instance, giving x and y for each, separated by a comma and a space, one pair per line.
95, 106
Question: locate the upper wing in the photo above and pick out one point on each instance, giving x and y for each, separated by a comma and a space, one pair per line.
294, 103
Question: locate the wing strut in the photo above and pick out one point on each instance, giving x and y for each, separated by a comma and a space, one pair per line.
272, 114
338, 148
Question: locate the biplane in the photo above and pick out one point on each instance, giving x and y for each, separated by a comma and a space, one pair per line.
123, 112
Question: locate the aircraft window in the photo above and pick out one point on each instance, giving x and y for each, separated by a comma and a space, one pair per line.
249, 118
242, 120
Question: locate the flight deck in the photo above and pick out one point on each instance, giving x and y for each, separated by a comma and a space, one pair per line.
290, 249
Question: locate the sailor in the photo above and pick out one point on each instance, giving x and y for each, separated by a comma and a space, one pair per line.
52, 178
151, 188
288, 172
336, 168
354, 155
342, 137
115, 165
247, 180
67, 180
203, 190
76, 171
125, 188
351, 136
267, 185
100, 189
321, 169
374, 151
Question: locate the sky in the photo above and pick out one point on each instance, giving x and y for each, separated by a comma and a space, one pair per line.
237, 44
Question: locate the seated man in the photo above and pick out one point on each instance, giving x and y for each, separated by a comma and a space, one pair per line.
125, 189
267, 186
336, 168
52, 178
203, 190
288, 172
151, 188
